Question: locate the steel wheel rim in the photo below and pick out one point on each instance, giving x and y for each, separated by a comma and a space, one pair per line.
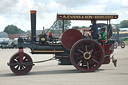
85, 64
20, 69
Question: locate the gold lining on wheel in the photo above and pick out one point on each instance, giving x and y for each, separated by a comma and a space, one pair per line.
85, 55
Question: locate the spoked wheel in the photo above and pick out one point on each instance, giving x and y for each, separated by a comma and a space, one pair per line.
17, 67
115, 45
87, 55
122, 45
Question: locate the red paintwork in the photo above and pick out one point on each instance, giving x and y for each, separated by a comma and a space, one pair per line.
107, 52
70, 37
103, 42
107, 49
33, 11
50, 33
21, 54
106, 60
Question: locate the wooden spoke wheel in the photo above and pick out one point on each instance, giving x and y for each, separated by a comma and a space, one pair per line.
122, 45
87, 55
115, 45
20, 69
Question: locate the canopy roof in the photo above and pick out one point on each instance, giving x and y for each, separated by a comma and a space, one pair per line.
97, 16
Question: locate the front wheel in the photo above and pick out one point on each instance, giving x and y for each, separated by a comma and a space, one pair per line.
20, 69
87, 55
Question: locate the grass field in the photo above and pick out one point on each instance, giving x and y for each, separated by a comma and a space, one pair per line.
126, 42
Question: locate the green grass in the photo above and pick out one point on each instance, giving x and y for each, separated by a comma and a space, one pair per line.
126, 42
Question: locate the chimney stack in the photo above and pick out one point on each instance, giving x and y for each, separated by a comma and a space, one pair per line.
33, 25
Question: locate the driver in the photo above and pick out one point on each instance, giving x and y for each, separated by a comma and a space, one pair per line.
94, 30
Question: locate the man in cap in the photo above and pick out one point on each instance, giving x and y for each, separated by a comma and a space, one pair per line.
94, 30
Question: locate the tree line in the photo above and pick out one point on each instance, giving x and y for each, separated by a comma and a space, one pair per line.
12, 29
124, 24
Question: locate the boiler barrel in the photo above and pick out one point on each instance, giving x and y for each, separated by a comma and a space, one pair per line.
37, 49
47, 47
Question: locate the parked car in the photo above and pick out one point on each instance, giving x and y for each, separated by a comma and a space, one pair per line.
15, 42
6, 44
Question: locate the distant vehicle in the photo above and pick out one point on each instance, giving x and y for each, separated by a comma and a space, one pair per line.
120, 43
6, 44
15, 42
3, 42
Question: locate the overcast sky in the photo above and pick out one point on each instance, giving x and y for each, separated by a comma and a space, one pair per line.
17, 12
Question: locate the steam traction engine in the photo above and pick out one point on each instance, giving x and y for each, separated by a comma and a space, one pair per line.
85, 54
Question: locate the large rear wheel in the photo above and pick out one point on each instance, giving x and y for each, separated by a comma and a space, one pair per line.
87, 55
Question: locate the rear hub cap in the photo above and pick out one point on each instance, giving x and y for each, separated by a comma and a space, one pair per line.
86, 55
